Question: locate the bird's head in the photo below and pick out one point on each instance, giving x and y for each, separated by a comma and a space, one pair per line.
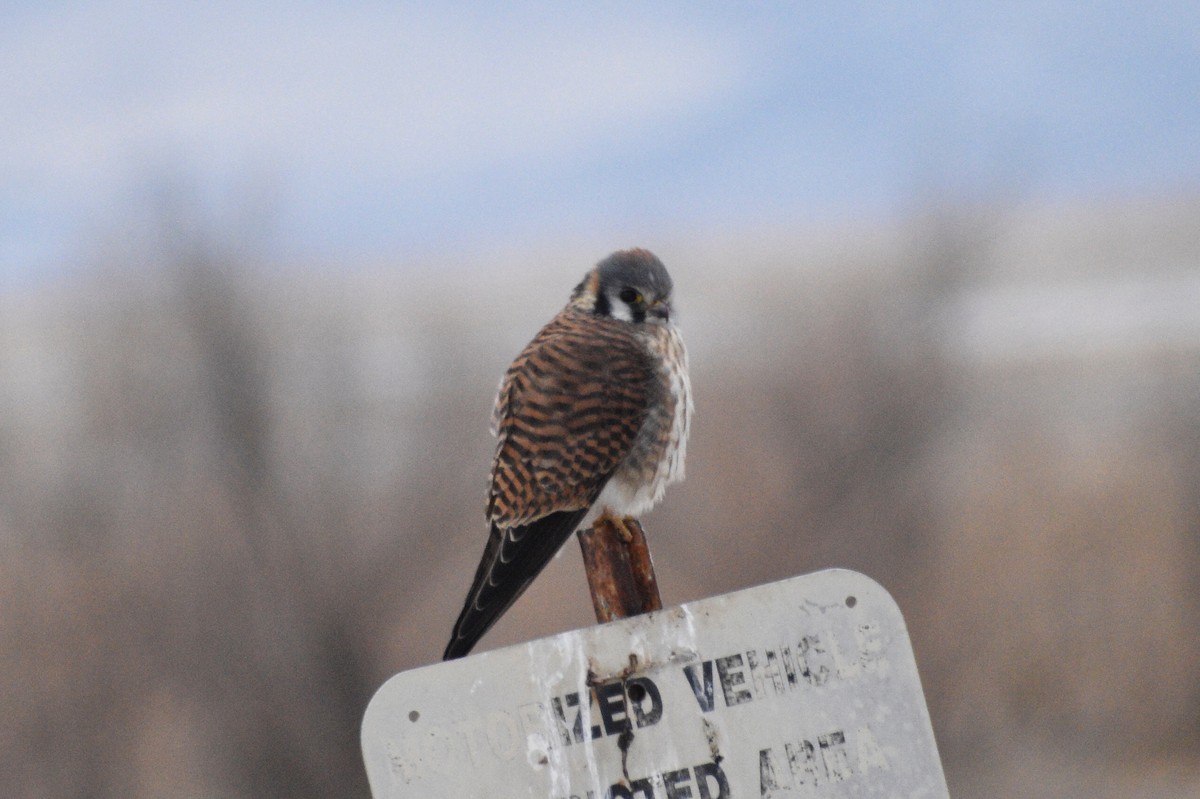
630, 285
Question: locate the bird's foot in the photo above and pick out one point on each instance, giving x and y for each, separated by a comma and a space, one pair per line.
624, 530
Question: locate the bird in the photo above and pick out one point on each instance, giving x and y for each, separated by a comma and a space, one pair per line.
591, 420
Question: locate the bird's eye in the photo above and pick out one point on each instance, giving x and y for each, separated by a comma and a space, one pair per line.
630, 296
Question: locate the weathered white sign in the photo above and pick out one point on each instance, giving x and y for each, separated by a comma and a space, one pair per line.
801, 688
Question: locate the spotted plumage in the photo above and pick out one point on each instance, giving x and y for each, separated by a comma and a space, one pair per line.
591, 418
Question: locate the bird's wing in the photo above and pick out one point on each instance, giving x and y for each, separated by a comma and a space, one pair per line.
507, 568
568, 412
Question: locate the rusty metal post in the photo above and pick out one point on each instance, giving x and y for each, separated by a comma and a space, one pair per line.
643, 568
619, 570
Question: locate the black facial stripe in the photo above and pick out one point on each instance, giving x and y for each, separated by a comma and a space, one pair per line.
639, 313
602, 307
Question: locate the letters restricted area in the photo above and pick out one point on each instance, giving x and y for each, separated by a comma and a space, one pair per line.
803, 688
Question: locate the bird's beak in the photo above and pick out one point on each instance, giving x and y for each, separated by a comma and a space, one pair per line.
660, 309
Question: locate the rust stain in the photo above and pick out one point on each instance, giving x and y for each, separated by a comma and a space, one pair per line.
714, 748
624, 741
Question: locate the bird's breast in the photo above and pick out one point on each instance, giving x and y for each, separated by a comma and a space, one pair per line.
657, 457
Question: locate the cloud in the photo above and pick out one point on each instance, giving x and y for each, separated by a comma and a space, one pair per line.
412, 93
383, 125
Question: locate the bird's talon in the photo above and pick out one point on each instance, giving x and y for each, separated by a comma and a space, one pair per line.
623, 530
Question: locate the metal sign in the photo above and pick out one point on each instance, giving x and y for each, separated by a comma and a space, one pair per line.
802, 688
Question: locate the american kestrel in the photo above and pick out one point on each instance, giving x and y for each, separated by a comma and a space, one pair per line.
591, 418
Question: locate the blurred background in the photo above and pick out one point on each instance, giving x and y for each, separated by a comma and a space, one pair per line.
262, 265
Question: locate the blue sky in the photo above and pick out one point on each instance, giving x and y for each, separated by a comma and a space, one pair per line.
395, 130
